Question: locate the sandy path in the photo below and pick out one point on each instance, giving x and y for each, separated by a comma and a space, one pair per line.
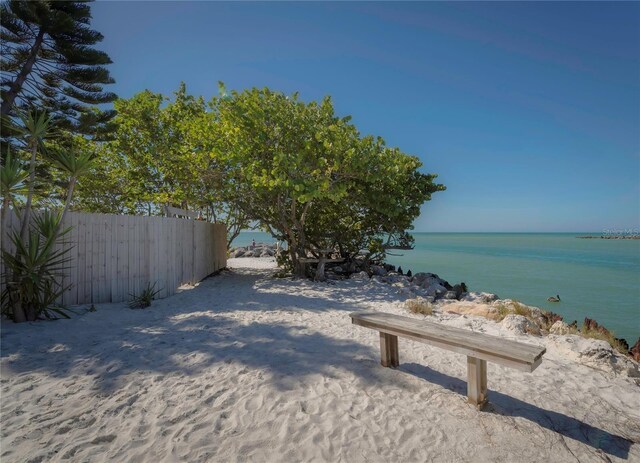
245, 367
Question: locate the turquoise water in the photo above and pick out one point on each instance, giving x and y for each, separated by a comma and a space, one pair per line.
595, 278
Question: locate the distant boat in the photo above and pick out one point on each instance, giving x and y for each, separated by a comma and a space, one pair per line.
554, 299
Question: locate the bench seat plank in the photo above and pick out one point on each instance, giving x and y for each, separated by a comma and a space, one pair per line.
524, 357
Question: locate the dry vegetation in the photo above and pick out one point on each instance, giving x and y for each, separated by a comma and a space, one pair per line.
419, 305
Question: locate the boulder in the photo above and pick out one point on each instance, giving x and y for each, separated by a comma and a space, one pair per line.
560, 328
471, 308
435, 290
459, 289
635, 351
520, 324
593, 353
378, 270
450, 295
361, 276
484, 298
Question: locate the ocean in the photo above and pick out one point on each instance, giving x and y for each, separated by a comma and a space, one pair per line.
595, 278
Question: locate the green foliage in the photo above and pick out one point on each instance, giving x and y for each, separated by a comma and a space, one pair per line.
164, 153
48, 61
314, 181
260, 157
12, 179
34, 272
144, 299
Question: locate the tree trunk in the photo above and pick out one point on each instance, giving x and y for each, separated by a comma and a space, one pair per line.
30, 313
15, 88
320, 270
67, 204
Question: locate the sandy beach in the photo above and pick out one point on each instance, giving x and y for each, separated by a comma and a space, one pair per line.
247, 367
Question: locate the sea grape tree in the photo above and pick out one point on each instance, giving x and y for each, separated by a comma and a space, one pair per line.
315, 181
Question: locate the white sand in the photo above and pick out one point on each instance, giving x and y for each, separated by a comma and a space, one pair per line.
249, 368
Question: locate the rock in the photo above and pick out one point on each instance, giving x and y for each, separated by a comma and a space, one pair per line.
634, 352
359, 276
237, 253
560, 328
459, 289
329, 275
265, 253
484, 298
520, 324
389, 267
623, 343
594, 353
378, 270
435, 290
471, 308
592, 325
450, 295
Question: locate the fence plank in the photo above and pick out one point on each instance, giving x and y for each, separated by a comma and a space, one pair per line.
115, 255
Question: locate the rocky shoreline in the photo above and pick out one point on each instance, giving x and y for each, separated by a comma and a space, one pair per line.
428, 291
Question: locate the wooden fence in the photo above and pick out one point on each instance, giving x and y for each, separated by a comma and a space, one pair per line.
114, 256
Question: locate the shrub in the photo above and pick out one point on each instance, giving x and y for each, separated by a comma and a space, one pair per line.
419, 305
34, 272
144, 299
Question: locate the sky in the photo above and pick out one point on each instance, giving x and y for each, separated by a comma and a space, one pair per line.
528, 112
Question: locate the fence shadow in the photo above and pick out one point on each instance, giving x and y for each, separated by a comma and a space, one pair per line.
504, 405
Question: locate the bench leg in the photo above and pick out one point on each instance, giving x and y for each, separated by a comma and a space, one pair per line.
477, 381
389, 350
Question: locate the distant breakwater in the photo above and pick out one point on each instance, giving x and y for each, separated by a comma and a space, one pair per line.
610, 237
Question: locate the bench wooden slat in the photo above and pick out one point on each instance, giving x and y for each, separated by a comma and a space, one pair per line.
524, 357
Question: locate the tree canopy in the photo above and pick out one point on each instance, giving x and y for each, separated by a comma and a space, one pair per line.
315, 181
48, 61
296, 169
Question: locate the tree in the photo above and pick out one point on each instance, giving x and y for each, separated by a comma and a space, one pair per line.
314, 181
163, 153
48, 60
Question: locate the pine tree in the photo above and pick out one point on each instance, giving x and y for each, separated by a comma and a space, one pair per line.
48, 61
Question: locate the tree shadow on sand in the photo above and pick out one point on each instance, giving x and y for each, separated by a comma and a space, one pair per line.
191, 344
258, 290
504, 405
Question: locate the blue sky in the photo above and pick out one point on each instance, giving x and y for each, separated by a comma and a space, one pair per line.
529, 112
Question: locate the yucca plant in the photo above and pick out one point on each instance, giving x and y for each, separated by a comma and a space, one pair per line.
144, 299
12, 183
34, 273
75, 164
36, 126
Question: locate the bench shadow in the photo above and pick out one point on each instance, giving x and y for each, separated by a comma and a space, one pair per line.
504, 405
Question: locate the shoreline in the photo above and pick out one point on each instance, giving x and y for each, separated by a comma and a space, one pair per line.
437, 289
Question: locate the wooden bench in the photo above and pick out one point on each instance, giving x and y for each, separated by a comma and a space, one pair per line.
478, 347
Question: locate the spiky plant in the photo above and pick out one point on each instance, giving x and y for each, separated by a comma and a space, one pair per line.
12, 182
34, 273
144, 299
